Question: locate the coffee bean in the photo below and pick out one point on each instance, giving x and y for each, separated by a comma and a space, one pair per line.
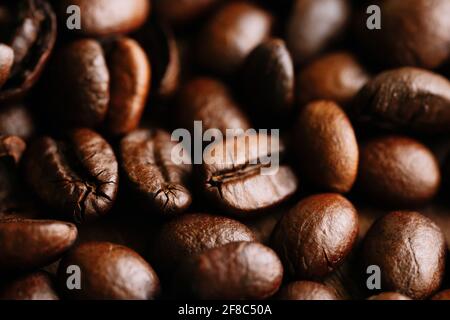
149, 166
110, 272
27, 244
78, 177
106, 17
327, 150
398, 171
16, 120
230, 35
192, 234
389, 296
239, 270
443, 295
306, 290
315, 236
233, 176
33, 286
314, 25
405, 99
180, 12
410, 251
6, 63
335, 76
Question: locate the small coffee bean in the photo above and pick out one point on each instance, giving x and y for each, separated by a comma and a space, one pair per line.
78, 177
16, 120
231, 34
110, 272
192, 234
405, 99
6, 63
443, 295
315, 236
327, 150
398, 171
335, 76
26, 244
180, 12
150, 169
410, 251
33, 286
314, 25
232, 175
306, 290
389, 296
238, 270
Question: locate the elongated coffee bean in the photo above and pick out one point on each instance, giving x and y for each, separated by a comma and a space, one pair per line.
153, 172
33, 286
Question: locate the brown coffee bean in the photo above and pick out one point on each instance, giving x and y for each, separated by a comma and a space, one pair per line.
192, 234
239, 270
306, 290
398, 171
34, 286
316, 235
110, 272
6, 63
16, 120
335, 76
179, 12
405, 99
106, 17
326, 146
389, 296
268, 78
231, 34
410, 251
313, 25
443, 295
27, 244
154, 175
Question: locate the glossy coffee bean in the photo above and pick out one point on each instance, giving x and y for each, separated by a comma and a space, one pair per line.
234, 179
106, 17
179, 12
210, 101
6, 63
230, 268
327, 150
410, 251
78, 177
16, 120
306, 290
314, 25
398, 171
413, 33
405, 99
389, 296
268, 78
443, 295
230, 35
192, 234
33, 286
26, 244
335, 76
315, 236
153, 173
110, 272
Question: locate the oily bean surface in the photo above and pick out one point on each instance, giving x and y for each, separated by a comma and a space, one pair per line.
306, 290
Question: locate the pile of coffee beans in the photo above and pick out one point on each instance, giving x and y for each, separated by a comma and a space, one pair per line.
214, 149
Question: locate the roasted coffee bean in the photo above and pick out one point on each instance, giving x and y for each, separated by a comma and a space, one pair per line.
27, 244
98, 88
236, 177
413, 33
78, 177
106, 17
192, 234
153, 173
316, 235
443, 295
210, 101
405, 99
110, 272
410, 251
33, 286
314, 25
268, 78
31, 38
335, 76
398, 172
389, 296
16, 120
230, 35
327, 150
238, 270
306, 290
179, 12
